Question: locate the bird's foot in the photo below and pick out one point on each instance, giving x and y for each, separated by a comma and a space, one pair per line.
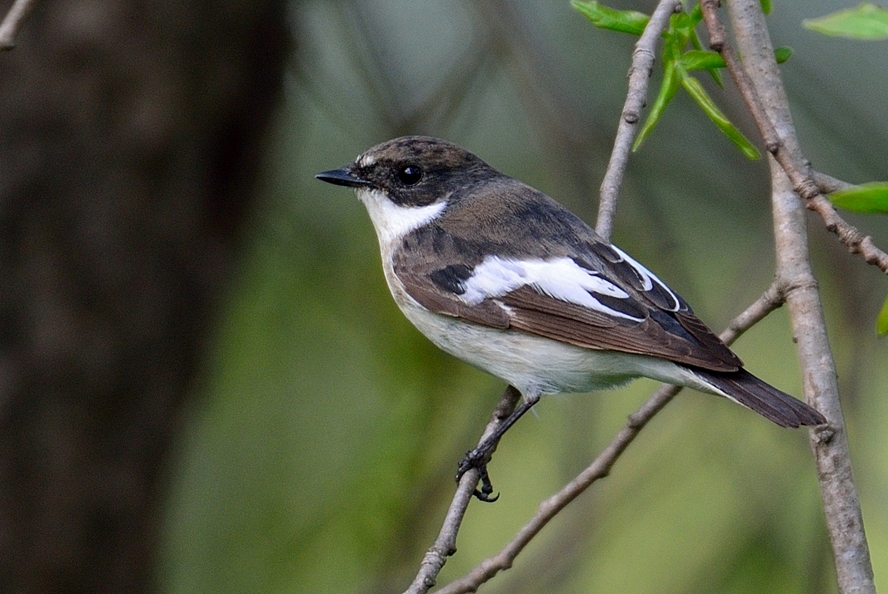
478, 458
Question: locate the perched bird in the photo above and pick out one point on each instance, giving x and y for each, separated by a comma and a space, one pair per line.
501, 276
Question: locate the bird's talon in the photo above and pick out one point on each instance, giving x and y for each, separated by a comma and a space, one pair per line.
485, 497
477, 459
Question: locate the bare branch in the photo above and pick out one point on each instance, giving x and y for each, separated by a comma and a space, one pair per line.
761, 85
445, 544
639, 73
841, 504
770, 300
828, 183
785, 148
11, 24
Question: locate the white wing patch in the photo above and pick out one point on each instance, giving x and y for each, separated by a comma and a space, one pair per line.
559, 278
648, 278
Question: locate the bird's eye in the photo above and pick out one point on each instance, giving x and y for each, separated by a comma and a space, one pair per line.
409, 175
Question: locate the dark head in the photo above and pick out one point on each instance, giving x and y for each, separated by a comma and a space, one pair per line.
412, 170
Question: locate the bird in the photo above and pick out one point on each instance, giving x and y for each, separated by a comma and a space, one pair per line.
500, 275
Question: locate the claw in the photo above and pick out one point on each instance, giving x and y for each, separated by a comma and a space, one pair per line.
477, 458
486, 487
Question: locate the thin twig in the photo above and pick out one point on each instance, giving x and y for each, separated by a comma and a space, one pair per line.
761, 85
445, 545
828, 184
12, 22
639, 74
770, 300
786, 150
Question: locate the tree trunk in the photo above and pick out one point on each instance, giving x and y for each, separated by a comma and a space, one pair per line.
129, 143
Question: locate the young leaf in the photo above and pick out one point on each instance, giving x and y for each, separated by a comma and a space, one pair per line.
866, 198
603, 17
866, 22
701, 60
668, 89
882, 320
782, 54
696, 90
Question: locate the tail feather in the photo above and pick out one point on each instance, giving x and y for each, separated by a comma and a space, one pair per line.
748, 390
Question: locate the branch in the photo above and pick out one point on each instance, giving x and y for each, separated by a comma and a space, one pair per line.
759, 81
639, 73
11, 24
784, 146
770, 300
445, 544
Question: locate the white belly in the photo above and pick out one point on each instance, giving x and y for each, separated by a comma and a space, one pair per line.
539, 365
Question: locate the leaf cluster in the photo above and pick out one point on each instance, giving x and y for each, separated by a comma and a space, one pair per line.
683, 53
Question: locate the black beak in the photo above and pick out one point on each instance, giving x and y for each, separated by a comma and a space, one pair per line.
342, 177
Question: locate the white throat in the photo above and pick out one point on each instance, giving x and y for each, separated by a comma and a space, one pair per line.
392, 222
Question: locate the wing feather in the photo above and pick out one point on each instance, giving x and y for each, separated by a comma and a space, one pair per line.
534, 313
593, 296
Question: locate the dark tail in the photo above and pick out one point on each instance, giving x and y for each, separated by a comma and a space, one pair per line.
748, 390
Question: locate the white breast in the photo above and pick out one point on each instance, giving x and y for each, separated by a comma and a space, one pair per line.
534, 364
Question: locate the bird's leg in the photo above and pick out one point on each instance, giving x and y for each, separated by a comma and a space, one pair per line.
479, 456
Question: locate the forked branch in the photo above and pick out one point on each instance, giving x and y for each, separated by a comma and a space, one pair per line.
783, 145
770, 300
759, 81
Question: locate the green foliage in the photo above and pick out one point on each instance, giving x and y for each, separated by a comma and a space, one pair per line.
782, 54
867, 22
677, 63
603, 17
882, 320
867, 198
702, 60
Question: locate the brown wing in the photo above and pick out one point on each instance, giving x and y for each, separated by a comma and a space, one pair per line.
527, 310
508, 220
542, 315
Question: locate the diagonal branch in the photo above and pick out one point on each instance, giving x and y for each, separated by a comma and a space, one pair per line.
770, 300
639, 73
445, 545
12, 22
785, 149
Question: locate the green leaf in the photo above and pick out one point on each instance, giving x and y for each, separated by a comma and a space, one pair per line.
714, 72
706, 60
695, 89
668, 89
766, 6
882, 320
701, 60
603, 17
867, 198
782, 54
866, 22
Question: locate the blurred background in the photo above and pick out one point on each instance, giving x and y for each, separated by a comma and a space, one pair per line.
205, 386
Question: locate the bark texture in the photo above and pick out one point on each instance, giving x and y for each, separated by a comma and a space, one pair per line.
129, 143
